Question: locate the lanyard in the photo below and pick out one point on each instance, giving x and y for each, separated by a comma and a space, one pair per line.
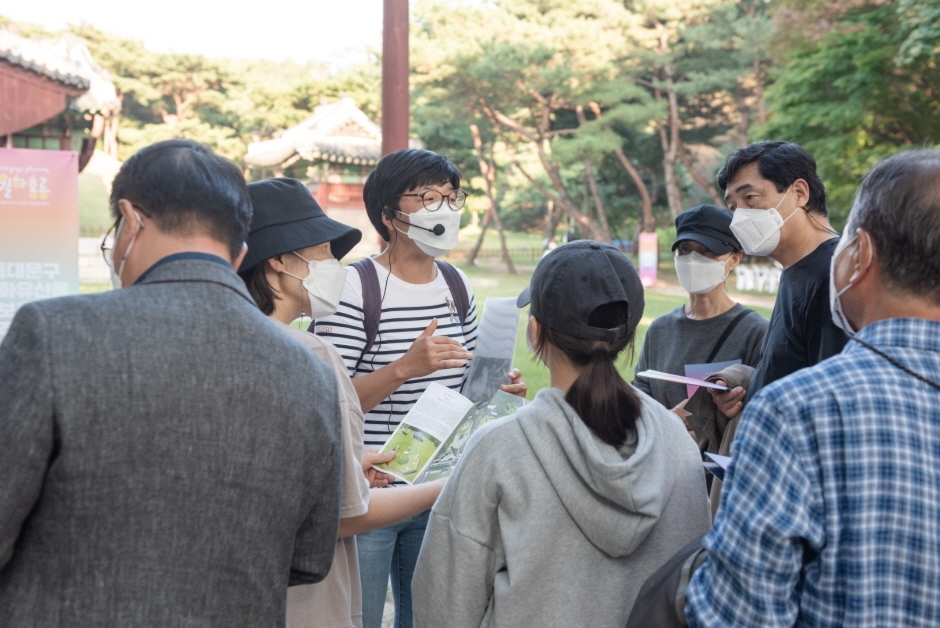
896, 363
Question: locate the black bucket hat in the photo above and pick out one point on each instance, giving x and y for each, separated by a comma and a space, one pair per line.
576, 278
710, 226
287, 218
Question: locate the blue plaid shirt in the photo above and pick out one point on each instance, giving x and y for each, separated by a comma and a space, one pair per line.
830, 515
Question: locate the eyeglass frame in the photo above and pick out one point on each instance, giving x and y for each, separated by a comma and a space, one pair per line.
455, 193
104, 239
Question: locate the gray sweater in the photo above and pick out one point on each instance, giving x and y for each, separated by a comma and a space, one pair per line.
543, 524
674, 340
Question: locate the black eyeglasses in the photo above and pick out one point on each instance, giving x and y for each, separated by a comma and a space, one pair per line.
434, 200
107, 242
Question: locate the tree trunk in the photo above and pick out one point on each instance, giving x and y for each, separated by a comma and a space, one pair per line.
648, 222
592, 185
551, 224
744, 111
669, 138
488, 170
704, 183
759, 93
539, 138
472, 259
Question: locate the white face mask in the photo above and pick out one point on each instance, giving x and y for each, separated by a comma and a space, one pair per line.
835, 304
698, 273
324, 284
758, 230
116, 282
421, 230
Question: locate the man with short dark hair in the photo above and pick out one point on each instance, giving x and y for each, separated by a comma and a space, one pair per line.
168, 456
779, 205
830, 514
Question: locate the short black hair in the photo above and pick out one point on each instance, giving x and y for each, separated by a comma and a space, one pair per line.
781, 163
186, 188
398, 172
259, 288
898, 204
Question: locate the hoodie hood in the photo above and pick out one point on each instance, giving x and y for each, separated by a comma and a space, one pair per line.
614, 495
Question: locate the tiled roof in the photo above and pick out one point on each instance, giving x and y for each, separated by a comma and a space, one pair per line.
65, 60
338, 132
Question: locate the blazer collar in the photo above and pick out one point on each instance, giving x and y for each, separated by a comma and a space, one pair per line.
187, 269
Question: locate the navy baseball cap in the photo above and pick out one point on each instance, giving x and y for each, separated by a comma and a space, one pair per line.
287, 218
575, 279
710, 226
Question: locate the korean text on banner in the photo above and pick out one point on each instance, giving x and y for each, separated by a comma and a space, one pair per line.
38, 227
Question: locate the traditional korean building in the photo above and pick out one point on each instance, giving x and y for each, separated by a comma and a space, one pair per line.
332, 151
53, 96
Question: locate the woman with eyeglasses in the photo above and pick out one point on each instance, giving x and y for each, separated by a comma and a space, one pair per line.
426, 332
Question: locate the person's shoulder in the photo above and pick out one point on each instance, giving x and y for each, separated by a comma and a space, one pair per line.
466, 280
496, 441
799, 391
652, 410
669, 320
815, 265
321, 348
754, 320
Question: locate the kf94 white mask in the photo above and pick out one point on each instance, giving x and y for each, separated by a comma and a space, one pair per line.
324, 284
698, 273
758, 230
425, 230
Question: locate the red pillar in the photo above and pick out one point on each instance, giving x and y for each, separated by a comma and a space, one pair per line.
395, 96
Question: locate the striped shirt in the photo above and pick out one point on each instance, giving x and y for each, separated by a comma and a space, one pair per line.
407, 310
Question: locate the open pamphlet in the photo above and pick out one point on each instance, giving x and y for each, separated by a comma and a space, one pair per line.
431, 438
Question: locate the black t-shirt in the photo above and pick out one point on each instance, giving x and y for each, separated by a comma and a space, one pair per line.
801, 331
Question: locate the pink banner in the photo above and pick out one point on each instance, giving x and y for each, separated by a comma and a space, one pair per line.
38, 227
648, 258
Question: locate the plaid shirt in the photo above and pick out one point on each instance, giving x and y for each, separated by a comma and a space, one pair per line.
830, 515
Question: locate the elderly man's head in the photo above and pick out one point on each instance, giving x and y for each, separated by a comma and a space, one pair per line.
192, 200
185, 187
891, 247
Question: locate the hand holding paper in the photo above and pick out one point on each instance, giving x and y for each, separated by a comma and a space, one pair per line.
680, 379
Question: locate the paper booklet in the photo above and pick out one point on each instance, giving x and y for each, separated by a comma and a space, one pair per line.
496, 345
430, 439
679, 379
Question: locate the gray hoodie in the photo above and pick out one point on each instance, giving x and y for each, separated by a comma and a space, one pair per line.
544, 524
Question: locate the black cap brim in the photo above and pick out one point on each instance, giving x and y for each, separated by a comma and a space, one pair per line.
711, 243
286, 237
523, 299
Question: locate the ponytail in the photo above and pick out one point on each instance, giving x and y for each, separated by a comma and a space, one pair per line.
604, 401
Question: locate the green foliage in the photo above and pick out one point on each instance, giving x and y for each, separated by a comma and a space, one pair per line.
851, 80
847, 100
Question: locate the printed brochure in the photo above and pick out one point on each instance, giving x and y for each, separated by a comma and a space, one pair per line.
430, 439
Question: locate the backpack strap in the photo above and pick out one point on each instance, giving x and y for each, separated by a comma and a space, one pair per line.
727, 332
371, 301
458, 289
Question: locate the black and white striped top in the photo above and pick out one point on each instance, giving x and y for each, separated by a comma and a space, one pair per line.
407, 310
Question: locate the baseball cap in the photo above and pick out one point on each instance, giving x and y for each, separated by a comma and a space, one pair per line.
710, 226
287, 218
575, 279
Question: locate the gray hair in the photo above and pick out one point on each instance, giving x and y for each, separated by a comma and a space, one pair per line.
898, 203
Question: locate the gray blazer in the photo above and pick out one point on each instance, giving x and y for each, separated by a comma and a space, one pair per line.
168, 457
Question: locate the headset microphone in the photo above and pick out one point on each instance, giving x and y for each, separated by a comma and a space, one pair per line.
437, 230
